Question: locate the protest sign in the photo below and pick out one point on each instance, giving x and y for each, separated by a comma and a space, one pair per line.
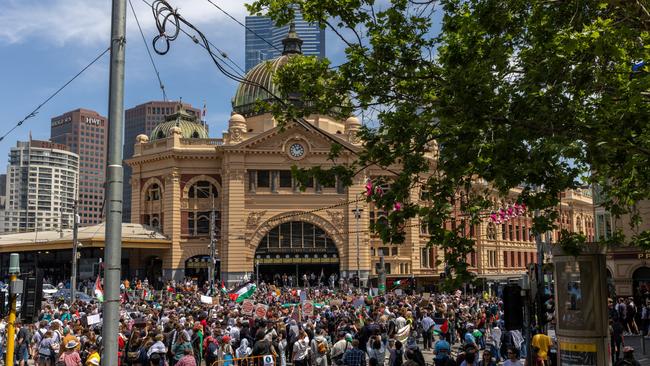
206, 299
260, 311
247, 307
307, 309
94, 319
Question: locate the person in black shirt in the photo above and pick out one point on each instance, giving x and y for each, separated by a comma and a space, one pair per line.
616, 336
22, 343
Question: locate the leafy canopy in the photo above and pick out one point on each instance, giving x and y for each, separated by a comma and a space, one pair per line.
519, 93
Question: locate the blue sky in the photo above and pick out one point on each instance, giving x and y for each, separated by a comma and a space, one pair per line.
43, 43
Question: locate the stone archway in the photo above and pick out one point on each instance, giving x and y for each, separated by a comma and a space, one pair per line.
301, 247
327, 226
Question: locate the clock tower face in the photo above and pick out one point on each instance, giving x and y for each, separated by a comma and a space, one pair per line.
296, 150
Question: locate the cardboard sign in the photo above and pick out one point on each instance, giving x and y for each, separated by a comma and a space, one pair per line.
260, 311
426, 295
94, 319
307, 309
206, 299
247, 307
303, 296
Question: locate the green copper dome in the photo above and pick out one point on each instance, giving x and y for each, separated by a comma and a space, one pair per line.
260, 78
189, 125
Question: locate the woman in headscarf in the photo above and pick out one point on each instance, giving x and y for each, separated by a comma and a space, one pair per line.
243, 350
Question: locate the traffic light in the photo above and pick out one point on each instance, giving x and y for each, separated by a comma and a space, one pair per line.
547, 307
513, 307
32, 297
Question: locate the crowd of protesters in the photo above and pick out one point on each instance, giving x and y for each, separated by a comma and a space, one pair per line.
175, 326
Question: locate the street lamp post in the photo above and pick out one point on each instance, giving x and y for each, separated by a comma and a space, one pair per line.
75, 247
357, 215
212, 247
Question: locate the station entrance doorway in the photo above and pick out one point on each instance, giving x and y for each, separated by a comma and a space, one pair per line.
294, 249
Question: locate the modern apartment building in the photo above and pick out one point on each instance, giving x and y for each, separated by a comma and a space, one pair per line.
142, 119
42, 186
85, 133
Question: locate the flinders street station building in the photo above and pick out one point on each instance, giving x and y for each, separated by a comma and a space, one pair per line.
192, 194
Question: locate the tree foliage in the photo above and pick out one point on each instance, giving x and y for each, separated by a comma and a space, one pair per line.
519, 93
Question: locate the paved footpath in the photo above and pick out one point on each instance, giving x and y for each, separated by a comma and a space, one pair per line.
633, 341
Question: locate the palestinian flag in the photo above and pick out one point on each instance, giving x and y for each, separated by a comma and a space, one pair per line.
441, 326
223, 288
99, 291
243, 293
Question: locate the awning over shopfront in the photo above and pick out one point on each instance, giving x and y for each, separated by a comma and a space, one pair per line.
133, 236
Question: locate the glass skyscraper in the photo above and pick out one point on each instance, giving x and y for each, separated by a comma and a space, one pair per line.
258, 49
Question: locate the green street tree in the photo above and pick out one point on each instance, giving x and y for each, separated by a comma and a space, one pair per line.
520, 93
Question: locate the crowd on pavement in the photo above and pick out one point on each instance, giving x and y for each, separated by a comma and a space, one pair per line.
184, 324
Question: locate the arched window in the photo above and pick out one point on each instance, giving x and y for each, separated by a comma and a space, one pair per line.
153, 193
203, 189
297, 238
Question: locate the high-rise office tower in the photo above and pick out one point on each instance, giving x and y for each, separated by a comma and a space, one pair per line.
42, 184
142, 119
258, 49
85, 132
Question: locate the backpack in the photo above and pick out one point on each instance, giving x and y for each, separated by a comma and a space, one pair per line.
321, 347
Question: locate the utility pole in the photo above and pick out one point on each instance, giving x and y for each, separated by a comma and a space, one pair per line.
114, 185
357, 216
540, 278
75, 247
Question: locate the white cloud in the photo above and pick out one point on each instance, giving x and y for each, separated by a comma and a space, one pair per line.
61, 22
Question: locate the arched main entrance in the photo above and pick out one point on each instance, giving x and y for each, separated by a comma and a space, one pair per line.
294, 249
641, 284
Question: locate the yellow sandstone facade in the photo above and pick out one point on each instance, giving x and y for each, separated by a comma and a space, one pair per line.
240, 190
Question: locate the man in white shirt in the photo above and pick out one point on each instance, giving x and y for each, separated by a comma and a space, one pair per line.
301, 349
